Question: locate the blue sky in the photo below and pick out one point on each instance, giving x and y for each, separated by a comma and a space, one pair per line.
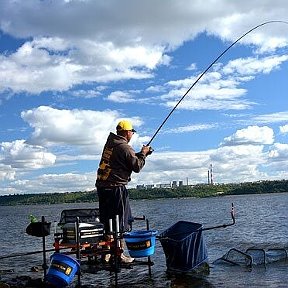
70, 70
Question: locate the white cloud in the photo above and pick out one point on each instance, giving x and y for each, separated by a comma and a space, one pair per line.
35, 69
213, 92
155, 89
252, 66
191, 128
120, 97
279, 152
250, 135
231, 164
249, 153
6, 171
19, 154
173, 166
272, 118
240, 163
242, 19
83, 129
86, 93
72, 127
189, 18
277, 160
192, 67
53, 183
72, 48
284, 129
220, 89
74, 43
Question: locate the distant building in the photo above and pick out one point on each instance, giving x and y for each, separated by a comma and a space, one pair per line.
166, 185
173, 184
149, 186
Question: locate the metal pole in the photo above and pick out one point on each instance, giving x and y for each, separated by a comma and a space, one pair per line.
44, 265
78, 255
117, 247
149, 257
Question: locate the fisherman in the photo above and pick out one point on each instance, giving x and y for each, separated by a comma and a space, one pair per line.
117, 163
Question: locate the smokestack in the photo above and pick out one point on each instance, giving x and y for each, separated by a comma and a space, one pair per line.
211, 175
208, 177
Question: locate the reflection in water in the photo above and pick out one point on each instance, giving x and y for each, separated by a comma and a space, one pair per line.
183, 280
186, 281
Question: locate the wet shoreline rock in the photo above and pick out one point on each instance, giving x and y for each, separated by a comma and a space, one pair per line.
8, 279
23, 282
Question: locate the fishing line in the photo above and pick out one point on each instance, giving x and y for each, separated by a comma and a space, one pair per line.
202, 74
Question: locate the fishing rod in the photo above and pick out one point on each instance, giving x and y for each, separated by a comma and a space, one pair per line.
202, 74
24, 254
28, 253
223, 225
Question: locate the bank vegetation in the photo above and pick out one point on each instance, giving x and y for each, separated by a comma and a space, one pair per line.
200, 190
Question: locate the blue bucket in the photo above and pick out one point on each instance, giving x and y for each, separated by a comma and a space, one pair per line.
62, 270
141, 243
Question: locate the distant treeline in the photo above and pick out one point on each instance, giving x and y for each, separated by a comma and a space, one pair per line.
200, 190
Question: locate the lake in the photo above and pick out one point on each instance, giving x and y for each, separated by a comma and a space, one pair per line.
261, 220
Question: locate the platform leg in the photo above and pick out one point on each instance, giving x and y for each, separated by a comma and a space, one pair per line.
44, 265
78, 251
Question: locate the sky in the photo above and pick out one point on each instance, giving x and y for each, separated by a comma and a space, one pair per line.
71, 70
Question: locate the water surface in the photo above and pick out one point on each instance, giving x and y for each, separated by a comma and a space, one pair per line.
261, 220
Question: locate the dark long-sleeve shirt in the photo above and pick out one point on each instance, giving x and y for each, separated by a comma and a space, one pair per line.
117, 163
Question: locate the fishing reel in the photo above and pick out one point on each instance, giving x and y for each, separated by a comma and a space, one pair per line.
150, 151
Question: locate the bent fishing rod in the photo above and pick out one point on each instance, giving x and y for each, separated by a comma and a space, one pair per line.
204, 72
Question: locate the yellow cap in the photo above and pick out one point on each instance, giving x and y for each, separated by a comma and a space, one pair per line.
125, 125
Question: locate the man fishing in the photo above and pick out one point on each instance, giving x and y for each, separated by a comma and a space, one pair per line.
117, 163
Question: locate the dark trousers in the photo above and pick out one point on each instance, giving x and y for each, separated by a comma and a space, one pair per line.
114, 201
